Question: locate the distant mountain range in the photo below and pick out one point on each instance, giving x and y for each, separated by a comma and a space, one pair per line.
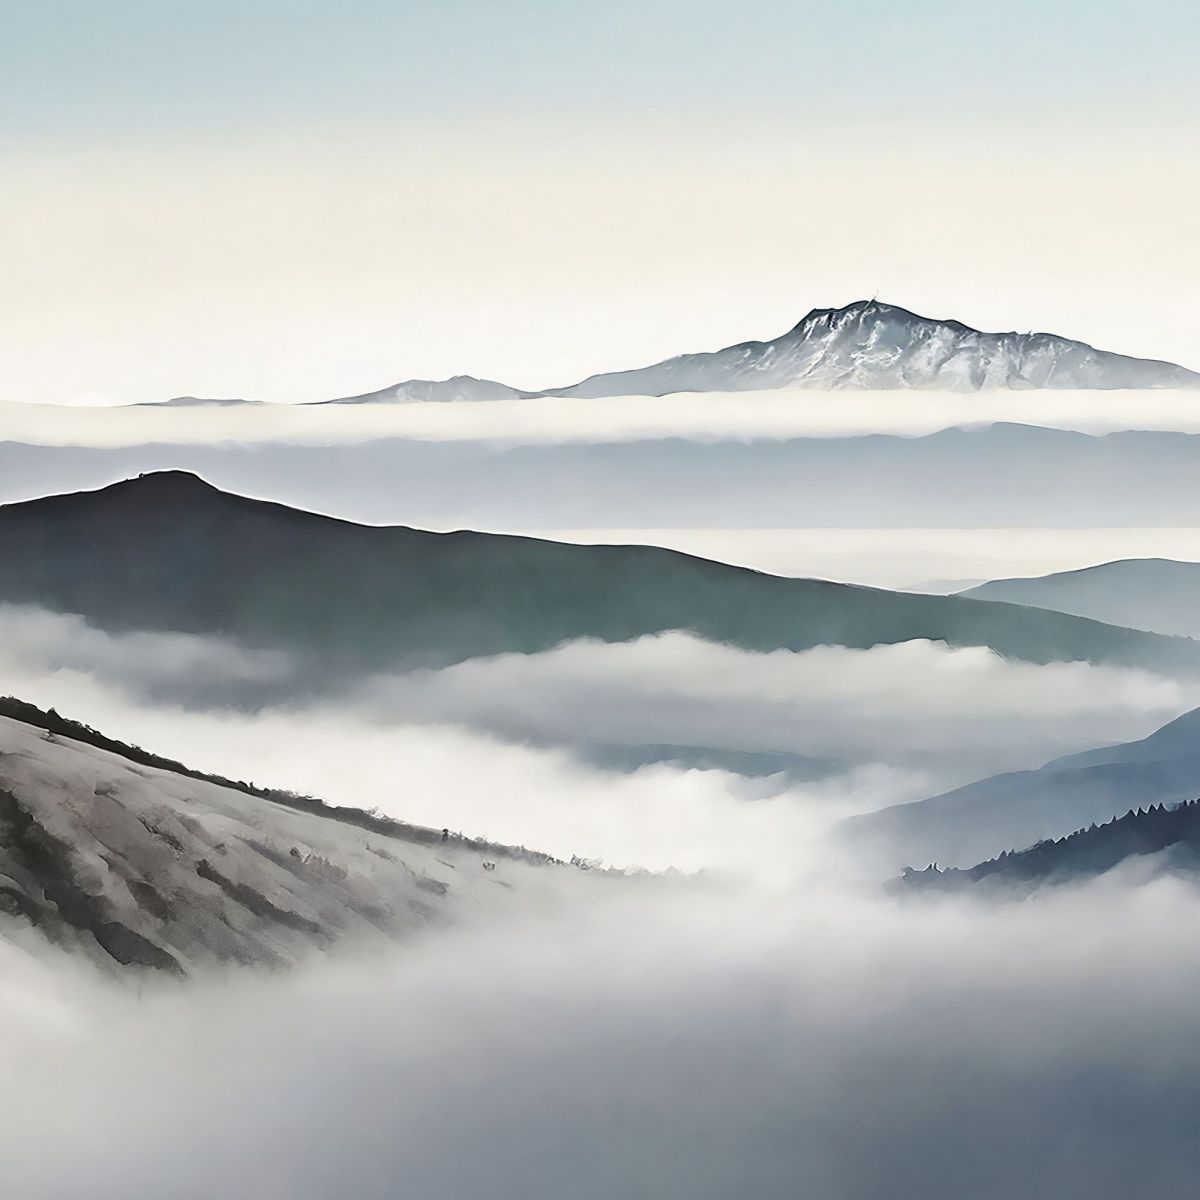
1158, 594
867, 345
871, 345
459, 389
197, 402
1003, 475
168, 552
1019, 808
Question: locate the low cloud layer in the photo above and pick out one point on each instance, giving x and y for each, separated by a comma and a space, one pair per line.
908, 703
905, 704
679, 1043
777, 1026
37, 644
977, 477
705, 417
505, 747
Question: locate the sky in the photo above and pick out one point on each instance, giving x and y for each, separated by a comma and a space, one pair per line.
294, 201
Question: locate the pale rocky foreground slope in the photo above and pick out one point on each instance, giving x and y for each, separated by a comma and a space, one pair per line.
135, 866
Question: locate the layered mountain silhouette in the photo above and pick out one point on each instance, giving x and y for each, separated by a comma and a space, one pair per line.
166, 551
1021, 807
1171, 834
865, 345
1002, 475
1159, 594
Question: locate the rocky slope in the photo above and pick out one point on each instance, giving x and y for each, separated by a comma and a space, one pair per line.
140, 866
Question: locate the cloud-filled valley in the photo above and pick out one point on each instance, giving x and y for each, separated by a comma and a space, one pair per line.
999, 476
822, 1043
666, 751
737, 416
525, 675
738, 1001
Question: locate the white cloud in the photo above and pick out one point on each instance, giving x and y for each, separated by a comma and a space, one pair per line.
474, 746
36, 643
680, 1042
901, 704
707, 417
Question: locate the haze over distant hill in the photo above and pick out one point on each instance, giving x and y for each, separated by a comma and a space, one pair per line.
1003, 476
1158, 594
168, 552
197, 402
1157, 838
457, 389
1016, 809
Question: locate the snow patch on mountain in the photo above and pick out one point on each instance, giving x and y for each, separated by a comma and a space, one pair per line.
872, 345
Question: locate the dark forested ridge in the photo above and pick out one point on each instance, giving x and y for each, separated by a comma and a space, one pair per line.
168, 552
1081, 855
1018, 808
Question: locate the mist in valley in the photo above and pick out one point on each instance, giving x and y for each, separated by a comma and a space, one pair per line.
693, 1040
775, 415
667, 751
723, 995
423, 774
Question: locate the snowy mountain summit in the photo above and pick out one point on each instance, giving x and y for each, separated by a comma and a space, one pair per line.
872, 345
865, 346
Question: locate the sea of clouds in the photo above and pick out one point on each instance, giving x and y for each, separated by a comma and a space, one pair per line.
708, 416
634, 753
696, 1043
771, 1023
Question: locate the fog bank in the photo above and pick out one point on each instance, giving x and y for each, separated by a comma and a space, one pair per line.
693, 1045
507, 747
704, 416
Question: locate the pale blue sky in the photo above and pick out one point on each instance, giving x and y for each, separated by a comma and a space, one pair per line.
293, 199
74, 68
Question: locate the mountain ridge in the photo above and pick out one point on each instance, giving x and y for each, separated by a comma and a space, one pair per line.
864, 345
1017, 808
1139, 479
1165, 836
1158, 594
136, 863
458, 389
872, 345
168, 552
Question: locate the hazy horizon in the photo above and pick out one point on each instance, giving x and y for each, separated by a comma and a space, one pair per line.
482, 794
295, 202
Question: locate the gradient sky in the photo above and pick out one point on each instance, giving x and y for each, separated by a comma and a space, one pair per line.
300, 200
